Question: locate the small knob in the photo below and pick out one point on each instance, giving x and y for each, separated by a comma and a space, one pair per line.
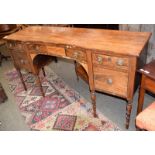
109, 81
75, 54
120, 62
68, 46
37, 48
99, 59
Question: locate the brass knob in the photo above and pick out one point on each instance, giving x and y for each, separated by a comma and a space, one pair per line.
99, 59
75, 54
109, 81
68, 46
37, 48
120, 62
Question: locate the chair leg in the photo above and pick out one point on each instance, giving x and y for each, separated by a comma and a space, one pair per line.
21, 78
40, 86
43, 70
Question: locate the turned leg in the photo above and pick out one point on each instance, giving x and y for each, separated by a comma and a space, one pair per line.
40, 86
43, 70
21, 78
93, 98
128, 113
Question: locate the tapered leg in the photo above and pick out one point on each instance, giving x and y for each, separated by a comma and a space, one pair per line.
93, 98
21, 78
43, 70
128, 113
40, 86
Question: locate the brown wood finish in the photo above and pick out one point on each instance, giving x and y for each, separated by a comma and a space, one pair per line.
147, 83
77, 55
118, 51
111, 81
109, 61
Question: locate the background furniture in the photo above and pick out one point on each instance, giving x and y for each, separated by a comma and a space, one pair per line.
108, 57
146, 118
6, 29
147, 83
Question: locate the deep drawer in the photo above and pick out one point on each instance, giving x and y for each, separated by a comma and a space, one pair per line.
111, 81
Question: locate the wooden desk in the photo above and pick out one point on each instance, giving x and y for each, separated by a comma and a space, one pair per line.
108, 56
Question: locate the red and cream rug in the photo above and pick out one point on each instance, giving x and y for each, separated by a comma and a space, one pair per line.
62, 108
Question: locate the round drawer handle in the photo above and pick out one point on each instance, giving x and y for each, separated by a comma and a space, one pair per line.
109, 81
37, 48
99, 59
68, 46
75, 55
120, 62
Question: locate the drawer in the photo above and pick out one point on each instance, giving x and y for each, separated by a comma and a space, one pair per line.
21, 60
16, 46
112, 62
46, 49
111, 81
37, 48
76, 54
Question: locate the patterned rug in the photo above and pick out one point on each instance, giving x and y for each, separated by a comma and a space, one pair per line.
62, 108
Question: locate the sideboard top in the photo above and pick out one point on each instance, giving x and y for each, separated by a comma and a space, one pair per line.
121, 42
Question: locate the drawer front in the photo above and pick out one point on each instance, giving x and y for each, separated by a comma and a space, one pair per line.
36, 48
56, 51
21, 60
111, 81
46, 49
16, 46
76, 54
111, 62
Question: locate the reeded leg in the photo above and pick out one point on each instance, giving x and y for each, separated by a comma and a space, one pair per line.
40, 86
93, 98
128, 112
21, 78
43, 71
140, 100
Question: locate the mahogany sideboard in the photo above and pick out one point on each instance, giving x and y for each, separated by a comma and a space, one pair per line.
109, 57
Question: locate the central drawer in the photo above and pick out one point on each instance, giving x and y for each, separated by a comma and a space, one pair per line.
111, 81
46, 49
76, 54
